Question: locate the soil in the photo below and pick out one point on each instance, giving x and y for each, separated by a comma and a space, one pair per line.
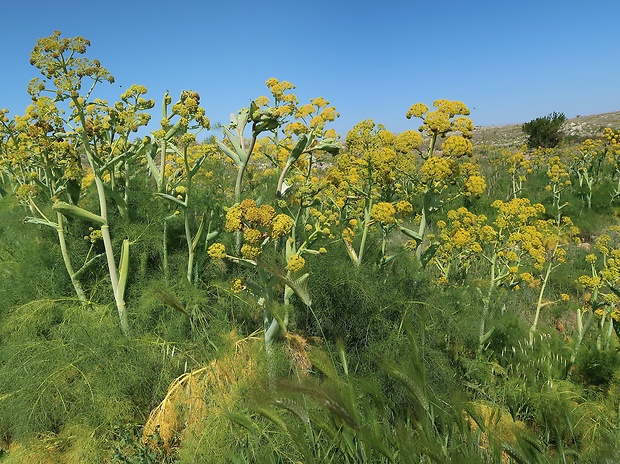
578, 129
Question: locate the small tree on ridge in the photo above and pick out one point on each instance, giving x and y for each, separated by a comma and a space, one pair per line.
545, 131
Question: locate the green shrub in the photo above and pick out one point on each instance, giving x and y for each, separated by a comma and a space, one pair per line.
545, 131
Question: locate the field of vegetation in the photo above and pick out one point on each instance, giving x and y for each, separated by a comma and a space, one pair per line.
281, 294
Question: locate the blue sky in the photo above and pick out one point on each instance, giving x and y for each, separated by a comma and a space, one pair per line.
510, 61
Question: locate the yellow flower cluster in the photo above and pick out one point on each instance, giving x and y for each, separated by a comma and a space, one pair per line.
95, 235
417, 110
233, 219
436, 122
383, 212
250, 251
26, 191
460, 239
281, 226
408, 141
403, 208
217, 251
237, 285
557, 171
475, 185
250, 218
248, 214
348, 234
277, 88
252, 236
451, 108
590, 282
442, 120
516, 212
323, 221
439, 169
296, 263
457, 146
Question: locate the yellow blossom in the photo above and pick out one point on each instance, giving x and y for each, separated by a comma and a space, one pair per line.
383, 212
252, 236
250, 251
236, 285
403, 207
281, 226
233, 219
217, 251
296, 263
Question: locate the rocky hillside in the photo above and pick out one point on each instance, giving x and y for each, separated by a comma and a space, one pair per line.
578, 128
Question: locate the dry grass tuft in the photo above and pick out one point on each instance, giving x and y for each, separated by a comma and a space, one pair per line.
210, 390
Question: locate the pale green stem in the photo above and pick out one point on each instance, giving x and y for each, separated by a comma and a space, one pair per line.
483, 334
431, 147
581, 331
186, 213
540, 298
421, 231
238, 182
77, 286
165, 250
162, 189
365, 232
610, 330
126, 192
367, 210
120, 301
188, 237
105, 230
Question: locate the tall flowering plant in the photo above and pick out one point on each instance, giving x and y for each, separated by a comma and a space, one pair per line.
98, 130
180, 164
509, 248
443, 175
366, 185
262, 227
47, 169
292, 232
602, 285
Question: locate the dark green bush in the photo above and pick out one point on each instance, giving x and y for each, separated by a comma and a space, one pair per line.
545, 131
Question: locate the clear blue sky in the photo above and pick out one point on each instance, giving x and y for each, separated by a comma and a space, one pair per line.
510, 60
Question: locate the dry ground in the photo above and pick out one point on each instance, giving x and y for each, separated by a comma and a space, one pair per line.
580, 127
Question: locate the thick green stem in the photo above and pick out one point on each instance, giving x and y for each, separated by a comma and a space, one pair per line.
367, 211
105, 231
483, 333
364, 232
539, 304
190, 247
165, 250
421, 232
120, 301
77, 286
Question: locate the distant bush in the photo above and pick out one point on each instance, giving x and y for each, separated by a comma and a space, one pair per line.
544, 132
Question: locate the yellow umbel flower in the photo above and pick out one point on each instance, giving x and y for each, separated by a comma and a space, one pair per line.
403, 207
296, 263
383, 212
236, 285
437, 169
217, 251
457, 146
281, 226
475, 185
417, 110
252, 236
250, 251
233, 219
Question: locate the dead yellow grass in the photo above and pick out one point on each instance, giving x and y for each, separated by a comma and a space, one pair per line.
212, 390
207, 390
